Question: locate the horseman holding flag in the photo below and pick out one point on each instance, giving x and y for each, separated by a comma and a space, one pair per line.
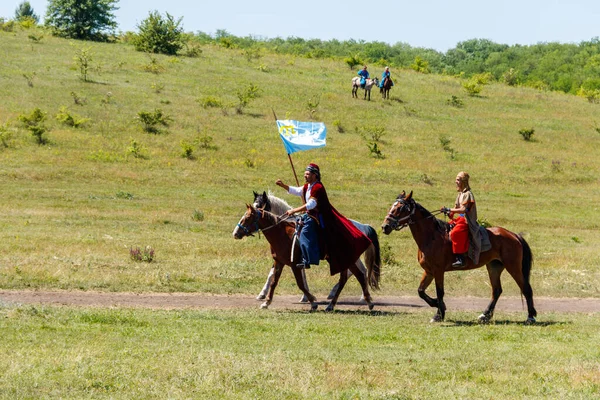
324, 233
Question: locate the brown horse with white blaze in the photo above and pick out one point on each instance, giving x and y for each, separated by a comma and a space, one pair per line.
280, 233
508, 251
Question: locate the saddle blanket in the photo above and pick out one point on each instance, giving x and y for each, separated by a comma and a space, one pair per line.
485, 239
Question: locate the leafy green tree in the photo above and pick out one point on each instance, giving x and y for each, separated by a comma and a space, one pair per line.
82, 19
24, 10
158, 34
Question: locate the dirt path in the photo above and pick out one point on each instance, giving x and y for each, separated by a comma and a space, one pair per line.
197, 301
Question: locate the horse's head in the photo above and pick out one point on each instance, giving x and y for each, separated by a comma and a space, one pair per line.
248, 225
400, 213
262, 201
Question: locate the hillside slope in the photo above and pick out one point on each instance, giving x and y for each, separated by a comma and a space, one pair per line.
73, 208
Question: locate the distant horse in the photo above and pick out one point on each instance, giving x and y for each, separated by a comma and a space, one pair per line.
368, 86
508, 250
279, 206
280, 235
385, 87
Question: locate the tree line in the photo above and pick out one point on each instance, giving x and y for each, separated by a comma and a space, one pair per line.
567, 67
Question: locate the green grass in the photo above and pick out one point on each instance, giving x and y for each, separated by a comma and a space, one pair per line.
67, 224
62, 352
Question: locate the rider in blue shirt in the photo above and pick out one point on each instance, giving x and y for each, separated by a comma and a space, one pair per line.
364, 75
385, 74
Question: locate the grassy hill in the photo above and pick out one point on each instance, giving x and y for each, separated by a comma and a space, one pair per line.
73, 207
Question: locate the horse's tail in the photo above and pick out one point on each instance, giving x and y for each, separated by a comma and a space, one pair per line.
526, 265
373, 258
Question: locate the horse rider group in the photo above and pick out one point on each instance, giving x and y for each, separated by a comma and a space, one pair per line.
364, 75
324, 233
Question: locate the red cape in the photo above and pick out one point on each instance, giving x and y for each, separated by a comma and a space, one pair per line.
344, 243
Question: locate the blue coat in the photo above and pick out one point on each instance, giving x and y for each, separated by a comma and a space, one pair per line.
364, 75
386, 74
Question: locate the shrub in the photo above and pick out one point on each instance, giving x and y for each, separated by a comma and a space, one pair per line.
198, 216
33, 122
592, 95
157, 87
6, 135
35, 38
252, 53
151, 120
374, 150
7, 26
83, 59
205, 142
511, 77
29, 78
192, 50
454, 101
137, 150
78, 100
338, 124
158, 34
65, 117
353, 61
472, 87
445, 143
483, 78
420, 65
146, 254
527, 133
245, 96
153, 66
373, 133
210, 101
312, 104
187, 150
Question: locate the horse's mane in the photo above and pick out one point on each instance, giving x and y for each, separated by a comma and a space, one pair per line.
278, 206
440, 225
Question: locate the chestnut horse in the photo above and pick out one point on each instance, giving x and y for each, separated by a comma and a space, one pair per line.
385, 87
368, 86
508, 250
278, 206
280, 233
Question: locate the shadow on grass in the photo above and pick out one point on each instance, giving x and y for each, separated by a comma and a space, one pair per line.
456, 323
372, 313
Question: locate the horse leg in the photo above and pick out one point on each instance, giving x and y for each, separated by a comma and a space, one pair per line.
302, 285
263, 293
340, 286
278, 268
360, 276
439, 289
495, 269
369, 91
426, 280
304, 299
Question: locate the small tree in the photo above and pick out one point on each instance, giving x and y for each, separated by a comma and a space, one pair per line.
82, 19
24, 10
158, 34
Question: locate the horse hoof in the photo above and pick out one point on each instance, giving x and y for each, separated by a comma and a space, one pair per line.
483, 319
329, 308
530, 321
313, 306
264, 306
371, 305
304, 299
436, 318
261, 297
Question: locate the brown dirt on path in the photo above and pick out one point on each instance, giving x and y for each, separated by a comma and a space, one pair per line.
171, 301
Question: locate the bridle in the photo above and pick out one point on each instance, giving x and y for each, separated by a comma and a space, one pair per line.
254, 224
399, 223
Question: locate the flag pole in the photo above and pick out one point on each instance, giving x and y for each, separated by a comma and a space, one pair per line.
289, 155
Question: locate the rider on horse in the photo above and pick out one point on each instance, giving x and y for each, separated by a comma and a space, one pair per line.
323, 227
385, 74
364, 75
465, 228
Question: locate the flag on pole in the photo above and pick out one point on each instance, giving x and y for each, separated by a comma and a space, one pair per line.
299, 136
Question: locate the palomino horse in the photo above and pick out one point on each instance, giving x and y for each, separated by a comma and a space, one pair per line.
278, 206
367, 88
508, 250
385, 87
280, 235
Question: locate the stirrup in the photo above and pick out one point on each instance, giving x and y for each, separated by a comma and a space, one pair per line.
303, 266
459, 263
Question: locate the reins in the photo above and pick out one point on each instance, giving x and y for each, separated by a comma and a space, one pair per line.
259, 215
399, 223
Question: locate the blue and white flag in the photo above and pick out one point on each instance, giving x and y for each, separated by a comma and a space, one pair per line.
299, 136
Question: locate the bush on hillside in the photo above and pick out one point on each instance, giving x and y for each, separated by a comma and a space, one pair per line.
34, 123
245, 96
151, 120
527, 133
472, 87
420, 65
158, 34
24, 12
353, 61
64, 116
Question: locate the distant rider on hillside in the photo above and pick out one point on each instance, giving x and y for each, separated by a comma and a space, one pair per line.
364, 75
